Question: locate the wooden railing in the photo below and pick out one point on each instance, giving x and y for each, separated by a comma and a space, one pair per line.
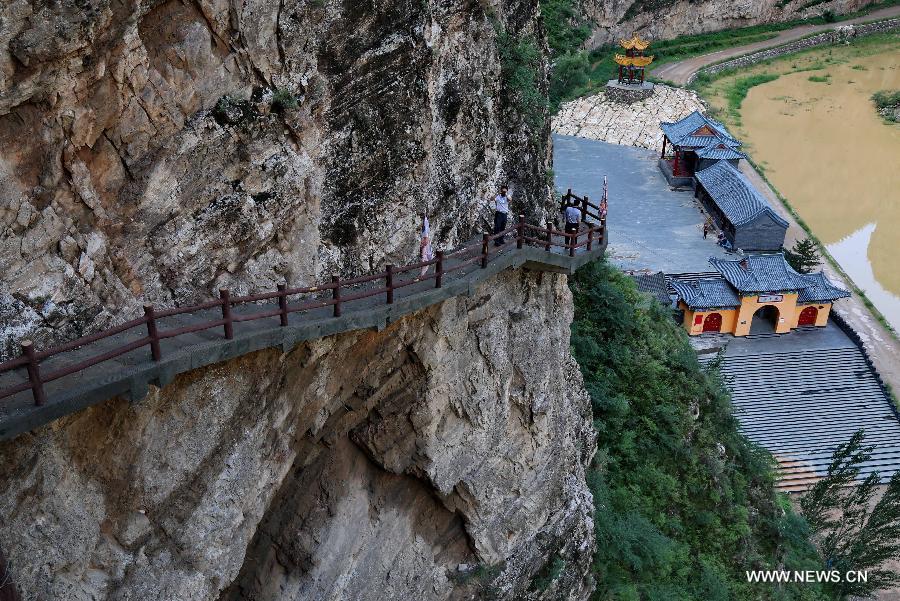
587, 208
337, 293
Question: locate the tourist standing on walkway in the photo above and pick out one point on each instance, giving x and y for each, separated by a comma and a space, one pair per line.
705, 229
573, 219
501, 213
425, 251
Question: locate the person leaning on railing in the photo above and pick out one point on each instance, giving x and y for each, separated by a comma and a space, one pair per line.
573, 219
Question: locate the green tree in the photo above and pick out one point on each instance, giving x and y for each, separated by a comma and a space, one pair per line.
804, 256
852, 532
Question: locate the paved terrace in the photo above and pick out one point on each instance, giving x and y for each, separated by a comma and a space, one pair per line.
657, 228
166, 343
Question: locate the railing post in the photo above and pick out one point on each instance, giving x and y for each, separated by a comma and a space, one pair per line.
520, 232
34, 373
549, 236
336, 294
439, 269
389, 279
485, 247
225, 296
152, 332
584, 208
590, 238
283, 304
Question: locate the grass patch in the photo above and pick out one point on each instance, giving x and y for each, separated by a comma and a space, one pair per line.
684, 503
820, 78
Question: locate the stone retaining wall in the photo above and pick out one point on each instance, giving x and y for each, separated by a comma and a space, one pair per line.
843, 33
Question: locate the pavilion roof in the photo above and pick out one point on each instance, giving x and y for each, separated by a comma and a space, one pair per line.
720, 151
698, 131
760, 273
634, 43
633, 61
706, 293
820, 290
735, 195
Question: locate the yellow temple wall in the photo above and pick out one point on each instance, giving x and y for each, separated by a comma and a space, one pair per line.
729, 318
821, 317
738, 321
787, 312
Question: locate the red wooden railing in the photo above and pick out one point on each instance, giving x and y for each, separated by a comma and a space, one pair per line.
587, 208
342, 292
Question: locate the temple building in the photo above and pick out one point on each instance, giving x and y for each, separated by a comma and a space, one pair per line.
754, 295
738, 209
633, 62
693, 143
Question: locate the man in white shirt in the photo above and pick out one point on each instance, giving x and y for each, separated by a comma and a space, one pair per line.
501, 213
573, 218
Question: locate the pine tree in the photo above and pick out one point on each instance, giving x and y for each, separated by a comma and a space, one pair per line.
804, 256
851, 532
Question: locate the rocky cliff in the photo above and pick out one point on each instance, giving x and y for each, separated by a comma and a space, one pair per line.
154, 151
442, 458
665, 19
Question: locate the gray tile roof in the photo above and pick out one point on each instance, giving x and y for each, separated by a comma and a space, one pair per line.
719, 151
820, 290
681, 132
654, 284
735, 195
706, 293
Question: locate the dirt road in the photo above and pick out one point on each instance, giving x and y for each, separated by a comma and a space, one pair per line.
681, 71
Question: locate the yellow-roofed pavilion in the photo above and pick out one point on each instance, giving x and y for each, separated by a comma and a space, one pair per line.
633, 62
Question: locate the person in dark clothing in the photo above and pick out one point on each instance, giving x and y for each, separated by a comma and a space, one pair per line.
501, 214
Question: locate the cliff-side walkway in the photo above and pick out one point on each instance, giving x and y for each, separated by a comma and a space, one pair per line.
154, 349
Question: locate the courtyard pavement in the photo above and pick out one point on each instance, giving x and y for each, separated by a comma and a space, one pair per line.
651, 227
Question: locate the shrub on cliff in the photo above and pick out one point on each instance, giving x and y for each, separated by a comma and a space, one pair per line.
684, 503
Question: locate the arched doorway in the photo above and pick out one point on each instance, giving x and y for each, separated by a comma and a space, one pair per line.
713, 323
765, 320
808, 316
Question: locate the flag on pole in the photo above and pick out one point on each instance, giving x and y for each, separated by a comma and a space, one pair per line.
426, 253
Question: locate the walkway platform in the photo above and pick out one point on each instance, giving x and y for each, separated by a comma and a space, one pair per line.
131, 374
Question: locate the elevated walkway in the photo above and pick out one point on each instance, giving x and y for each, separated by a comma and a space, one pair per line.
39, 387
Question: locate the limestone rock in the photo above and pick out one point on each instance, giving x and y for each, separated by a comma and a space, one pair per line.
150, 124
637, 124
666, 19
364, 466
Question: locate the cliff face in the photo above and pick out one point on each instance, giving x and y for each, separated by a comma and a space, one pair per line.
153, 151
362, 466
665, 19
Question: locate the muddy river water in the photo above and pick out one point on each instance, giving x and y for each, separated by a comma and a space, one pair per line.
827, 151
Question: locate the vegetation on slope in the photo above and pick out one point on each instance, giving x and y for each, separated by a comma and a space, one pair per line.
887, 103
578, 72
684, 503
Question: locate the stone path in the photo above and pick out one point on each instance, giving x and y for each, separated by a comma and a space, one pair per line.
681, 72
656, 229
132, 373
